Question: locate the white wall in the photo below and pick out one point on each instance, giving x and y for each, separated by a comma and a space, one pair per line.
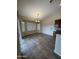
48, 24
47, 27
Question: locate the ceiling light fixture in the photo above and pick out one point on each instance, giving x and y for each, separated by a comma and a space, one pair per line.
51, 1
37, 18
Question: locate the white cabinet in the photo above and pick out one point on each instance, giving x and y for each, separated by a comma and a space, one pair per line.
57, 49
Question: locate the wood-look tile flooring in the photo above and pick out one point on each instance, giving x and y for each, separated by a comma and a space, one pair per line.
38, 46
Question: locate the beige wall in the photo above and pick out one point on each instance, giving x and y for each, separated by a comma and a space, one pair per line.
48, 24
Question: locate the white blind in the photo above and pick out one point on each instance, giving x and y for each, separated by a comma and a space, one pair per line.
23, 26
31, 26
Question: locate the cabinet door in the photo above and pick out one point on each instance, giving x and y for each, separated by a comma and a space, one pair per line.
57, 49
58, 23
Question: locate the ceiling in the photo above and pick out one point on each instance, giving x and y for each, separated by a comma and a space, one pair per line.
30, 8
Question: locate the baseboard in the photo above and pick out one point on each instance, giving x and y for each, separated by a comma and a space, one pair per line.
47, 34
57, 56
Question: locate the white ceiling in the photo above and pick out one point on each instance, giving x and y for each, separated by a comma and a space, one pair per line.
30, 8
